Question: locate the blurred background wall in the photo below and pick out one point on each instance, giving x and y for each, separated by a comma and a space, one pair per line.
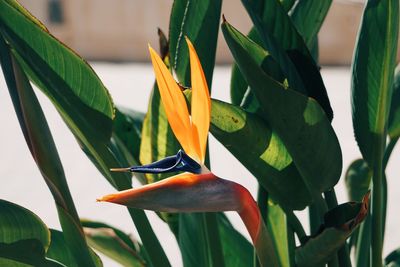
119, 30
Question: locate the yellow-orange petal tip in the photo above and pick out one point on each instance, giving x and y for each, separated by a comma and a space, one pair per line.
107, 198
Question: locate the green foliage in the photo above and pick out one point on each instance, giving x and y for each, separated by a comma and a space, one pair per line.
114, 243
304, 120
278, 126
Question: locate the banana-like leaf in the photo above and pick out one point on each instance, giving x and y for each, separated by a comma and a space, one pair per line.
261, 151
68, 77
79, 96
338, 225
393, 259
277, 225
358, 180
27, 252
127, 136
113, 243
299, 121
394, 116
372, 76
18, 223
237, 250
199, 21
128, 127
281, 39
241, 93
308, 17
40, 142
24, 238
59, 250
287, 4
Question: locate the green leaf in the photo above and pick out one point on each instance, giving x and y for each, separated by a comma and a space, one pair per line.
59, 250
393, 259
299, 121
74, 236
394, 115
308, 17
358, 180
237, 250
199, 21
128, 127
27, 252
24, 237
277, 226
241, 94
127, 136
287, 4
40, 142
18, 223
79, 96
281, 39
372, 76
261, 151
68, 75
113, 243
339, 223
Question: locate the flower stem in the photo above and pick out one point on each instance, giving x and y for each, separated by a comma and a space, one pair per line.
377, 201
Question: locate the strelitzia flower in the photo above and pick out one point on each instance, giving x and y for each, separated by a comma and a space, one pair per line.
196, 189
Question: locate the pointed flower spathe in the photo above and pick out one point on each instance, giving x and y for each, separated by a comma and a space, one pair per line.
196, 189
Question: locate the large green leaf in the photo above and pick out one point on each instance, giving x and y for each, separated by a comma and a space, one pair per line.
70, 77
338, 225
18, 223
241, 93
277, 225
393, 259
113, 243
308, 17
238, 251
358, 180
40, 142
372, 78
199, 21
280, 38
27, 252
261, 151
24, 238
299, 121
394, 116
79, 96
59, 250
128, 127
127, 136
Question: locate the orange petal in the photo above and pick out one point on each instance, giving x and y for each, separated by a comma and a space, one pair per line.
201, 103
174, 103
182, 193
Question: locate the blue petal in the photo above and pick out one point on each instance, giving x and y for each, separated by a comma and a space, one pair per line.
179, 162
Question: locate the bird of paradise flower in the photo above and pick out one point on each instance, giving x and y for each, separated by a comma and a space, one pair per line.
197, 189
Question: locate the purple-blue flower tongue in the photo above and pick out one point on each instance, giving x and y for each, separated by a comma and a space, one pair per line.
180, 162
